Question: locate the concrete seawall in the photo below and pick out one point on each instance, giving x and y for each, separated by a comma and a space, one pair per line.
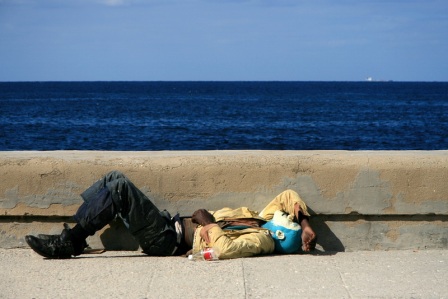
364, 200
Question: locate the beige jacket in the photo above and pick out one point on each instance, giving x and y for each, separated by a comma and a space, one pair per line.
250, 241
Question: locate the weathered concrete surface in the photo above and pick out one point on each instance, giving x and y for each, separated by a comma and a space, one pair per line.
362, 200
124, 274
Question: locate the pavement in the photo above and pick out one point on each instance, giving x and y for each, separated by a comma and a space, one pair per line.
131, 274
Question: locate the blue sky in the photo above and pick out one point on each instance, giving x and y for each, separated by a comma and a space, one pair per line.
222, 40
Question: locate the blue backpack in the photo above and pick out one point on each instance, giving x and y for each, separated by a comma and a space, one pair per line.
287, 240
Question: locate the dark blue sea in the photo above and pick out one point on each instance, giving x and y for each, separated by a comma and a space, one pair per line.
141, 116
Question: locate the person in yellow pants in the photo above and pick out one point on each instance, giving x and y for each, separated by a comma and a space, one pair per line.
240, 232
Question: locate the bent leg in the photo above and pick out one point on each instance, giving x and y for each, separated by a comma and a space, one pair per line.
96, 212
290, 202
111, 196
116, 195
98, 208
154, 232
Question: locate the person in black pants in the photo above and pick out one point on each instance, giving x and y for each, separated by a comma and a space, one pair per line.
157, 232
114, 195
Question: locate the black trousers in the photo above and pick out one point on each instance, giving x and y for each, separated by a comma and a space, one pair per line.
115, 195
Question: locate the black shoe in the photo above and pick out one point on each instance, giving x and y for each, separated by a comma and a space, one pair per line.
54, 248
57, 246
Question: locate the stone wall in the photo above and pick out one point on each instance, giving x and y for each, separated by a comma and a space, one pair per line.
361, 200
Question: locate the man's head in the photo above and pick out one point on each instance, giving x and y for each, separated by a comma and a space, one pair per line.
287, 234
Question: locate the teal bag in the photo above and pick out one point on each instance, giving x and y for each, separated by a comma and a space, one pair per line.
287, 235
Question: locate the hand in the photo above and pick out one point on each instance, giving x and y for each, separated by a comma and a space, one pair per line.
204, 232
202, 217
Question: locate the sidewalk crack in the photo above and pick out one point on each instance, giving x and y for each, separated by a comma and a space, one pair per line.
344, 284
244, 280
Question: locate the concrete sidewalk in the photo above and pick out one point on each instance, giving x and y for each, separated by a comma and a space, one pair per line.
130, 274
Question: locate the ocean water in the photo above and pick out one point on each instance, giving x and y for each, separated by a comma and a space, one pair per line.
140, 116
